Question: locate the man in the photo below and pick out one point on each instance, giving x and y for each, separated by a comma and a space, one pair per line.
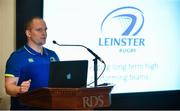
28, 67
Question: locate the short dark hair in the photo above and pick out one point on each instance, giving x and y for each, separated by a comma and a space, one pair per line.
28, 23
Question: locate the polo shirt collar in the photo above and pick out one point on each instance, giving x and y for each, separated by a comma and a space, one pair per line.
33, 52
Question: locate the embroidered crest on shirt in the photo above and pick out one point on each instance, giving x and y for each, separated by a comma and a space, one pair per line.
30, 60
52, 59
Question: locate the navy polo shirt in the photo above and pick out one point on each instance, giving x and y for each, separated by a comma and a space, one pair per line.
26, 64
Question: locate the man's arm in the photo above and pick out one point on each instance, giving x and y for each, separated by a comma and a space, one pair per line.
12, 88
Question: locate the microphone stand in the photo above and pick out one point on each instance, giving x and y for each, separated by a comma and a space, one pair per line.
95, 71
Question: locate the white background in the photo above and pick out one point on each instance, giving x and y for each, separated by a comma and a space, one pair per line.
154, 67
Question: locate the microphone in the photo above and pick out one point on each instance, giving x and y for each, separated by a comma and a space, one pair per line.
89, 50
95, 61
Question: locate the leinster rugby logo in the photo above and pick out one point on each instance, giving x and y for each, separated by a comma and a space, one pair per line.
124, 21
121, 29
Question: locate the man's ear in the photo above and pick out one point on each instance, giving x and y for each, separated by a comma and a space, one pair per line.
28, 33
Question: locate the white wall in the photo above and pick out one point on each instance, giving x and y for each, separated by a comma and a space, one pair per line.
7, 43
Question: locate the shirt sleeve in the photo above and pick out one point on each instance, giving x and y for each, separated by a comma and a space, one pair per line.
13, 66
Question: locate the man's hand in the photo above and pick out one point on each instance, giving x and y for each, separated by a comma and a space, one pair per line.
24, 87
12, 88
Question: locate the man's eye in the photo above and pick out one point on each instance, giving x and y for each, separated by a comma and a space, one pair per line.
39, 30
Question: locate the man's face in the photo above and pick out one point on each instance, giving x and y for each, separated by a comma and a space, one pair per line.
37, 33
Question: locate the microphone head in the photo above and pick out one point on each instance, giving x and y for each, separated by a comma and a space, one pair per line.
54, 42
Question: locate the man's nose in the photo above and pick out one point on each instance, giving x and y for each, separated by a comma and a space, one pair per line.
44, 32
